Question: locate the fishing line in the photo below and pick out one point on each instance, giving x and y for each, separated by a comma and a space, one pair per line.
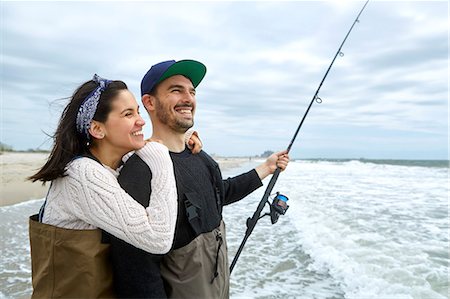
279, 206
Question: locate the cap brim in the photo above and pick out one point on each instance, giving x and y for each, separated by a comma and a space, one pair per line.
191, 69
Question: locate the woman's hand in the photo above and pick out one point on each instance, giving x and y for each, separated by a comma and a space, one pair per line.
194, 143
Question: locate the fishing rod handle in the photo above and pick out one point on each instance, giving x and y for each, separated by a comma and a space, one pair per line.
267, 193
251, 222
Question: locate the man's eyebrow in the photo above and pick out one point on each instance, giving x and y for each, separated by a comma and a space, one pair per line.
180, 86
175, 86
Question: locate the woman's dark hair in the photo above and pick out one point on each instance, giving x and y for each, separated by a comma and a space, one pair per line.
68, 143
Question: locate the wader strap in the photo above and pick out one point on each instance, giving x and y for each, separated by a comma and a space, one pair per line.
216, 266
192, 215
42, 209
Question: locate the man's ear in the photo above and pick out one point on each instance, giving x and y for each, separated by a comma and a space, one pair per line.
97, 130
149, 102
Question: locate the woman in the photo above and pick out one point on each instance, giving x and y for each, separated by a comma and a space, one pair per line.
98, 127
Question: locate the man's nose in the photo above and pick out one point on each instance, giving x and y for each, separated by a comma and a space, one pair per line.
188, 96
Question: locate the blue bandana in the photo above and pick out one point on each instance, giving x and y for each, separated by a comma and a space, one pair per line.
89, 106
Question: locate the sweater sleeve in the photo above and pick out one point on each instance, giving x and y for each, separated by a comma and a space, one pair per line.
189, 134
238, 187
99, 200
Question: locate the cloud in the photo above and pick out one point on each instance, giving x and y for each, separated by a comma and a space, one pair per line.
265, 60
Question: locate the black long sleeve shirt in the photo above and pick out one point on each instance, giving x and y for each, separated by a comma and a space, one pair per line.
199, 182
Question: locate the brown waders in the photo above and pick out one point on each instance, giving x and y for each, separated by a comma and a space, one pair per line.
68, 263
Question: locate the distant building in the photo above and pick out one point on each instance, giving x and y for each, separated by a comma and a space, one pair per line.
266, 154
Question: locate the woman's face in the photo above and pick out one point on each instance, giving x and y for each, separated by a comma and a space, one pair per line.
123, 127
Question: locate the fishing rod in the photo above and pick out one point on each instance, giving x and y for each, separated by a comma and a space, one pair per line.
279, 205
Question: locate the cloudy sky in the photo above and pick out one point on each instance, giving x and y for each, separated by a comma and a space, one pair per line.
387, 97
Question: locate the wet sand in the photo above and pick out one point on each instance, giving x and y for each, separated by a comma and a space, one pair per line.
15, 167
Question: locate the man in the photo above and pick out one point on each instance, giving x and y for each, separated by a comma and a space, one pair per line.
197, 265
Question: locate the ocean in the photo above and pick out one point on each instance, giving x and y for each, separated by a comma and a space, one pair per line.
354, 229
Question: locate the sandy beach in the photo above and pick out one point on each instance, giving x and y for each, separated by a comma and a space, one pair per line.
15, 167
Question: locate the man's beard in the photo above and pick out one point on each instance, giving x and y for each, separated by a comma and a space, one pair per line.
163, 114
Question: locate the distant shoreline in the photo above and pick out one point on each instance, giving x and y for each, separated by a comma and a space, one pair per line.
219, 157
398, 162
16, 166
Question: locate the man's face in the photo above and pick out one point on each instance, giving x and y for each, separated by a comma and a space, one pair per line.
175, 103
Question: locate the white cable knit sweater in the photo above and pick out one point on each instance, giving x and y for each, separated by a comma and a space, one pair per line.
90, 197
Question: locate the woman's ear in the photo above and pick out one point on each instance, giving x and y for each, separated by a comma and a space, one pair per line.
97, 130
149, 102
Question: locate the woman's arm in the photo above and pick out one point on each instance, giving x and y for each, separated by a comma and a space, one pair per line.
99, 200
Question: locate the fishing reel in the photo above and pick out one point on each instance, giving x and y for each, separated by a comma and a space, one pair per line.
278, 207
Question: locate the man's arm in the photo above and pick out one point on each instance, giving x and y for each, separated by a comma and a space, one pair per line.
238, 187
242, 185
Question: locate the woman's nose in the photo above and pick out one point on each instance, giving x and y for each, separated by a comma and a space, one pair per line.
140, 121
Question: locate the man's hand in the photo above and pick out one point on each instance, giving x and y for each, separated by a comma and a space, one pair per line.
280, 159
